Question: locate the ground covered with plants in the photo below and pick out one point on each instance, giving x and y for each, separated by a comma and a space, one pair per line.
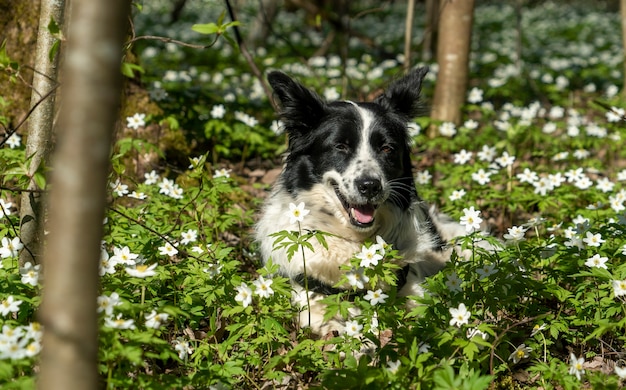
186, 302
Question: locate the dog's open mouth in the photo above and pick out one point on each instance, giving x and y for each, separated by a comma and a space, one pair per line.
361, 215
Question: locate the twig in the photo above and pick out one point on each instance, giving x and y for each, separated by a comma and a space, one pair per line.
500, 336
10, 132
248, 57
170, 40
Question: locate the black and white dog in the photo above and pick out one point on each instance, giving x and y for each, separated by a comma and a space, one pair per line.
350, 164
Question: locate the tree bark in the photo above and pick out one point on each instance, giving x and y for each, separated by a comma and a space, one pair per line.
40, 123
408, 34
90, 101
622, 7
453, 48
430, 31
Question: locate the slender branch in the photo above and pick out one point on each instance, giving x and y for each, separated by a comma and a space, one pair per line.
10, 131
500, 336
248, 57
156, 233
170, 40
20, 190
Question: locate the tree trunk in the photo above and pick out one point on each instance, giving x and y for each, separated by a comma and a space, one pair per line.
430, 30
40, 123
408, 33
622, 7
453, 48
90, 103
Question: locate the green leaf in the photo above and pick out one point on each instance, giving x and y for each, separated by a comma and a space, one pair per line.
209, 28
53, 27
129, 69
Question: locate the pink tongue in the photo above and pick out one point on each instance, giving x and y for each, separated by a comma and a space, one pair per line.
363, 214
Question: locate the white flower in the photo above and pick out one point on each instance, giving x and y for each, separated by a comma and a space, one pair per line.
619, 288
481, 177
223, 172
447, 129
353, 328
369, 256
106, 265
475, 96
141, 270
621, 372
9, 305
423, 177
168, 250
5, 208
119, 188
136, 121
460, 315
218, 111
119, 323
487, 153
462, 157
277, 127
151, 177
457, 194
123, 256
470, 124
471, 219
414, 129
107, 303
515, 234
331, 94
537, 328
10, 247
156, 320
594, 240
244, 294
453, 282
393, 366
615, 115
521, 352
188, 236
357, 278
182, 347
597, 261
576, 366
605, 185
375, 297
263, 287
297, 213
505, 160
30, 273
486, 270
14, 141
137, 195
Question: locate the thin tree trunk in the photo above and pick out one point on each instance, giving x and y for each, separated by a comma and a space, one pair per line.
453, 48
90, 103
38, 144
622, 7
408, 33
430, 31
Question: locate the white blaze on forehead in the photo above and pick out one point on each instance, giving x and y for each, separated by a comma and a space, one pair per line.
364, 152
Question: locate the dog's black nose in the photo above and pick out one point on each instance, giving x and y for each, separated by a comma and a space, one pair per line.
368, 186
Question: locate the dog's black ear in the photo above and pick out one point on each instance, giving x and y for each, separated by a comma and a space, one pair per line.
403, 95
301, 108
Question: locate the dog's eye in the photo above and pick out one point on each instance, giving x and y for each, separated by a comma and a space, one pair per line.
342, 147
386, 149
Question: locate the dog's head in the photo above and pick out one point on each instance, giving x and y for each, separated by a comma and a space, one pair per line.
358, 151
